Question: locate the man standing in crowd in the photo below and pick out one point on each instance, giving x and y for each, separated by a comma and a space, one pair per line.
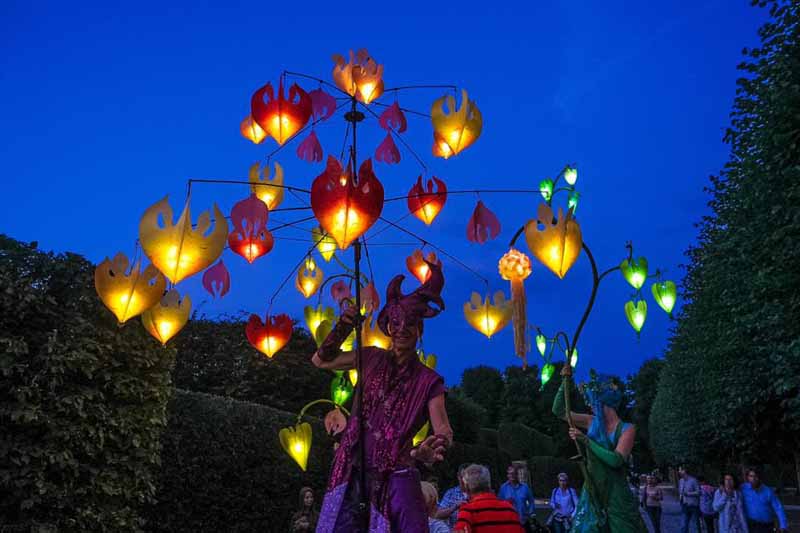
484, 512
520, 496
689, 497
761, 506
452, 500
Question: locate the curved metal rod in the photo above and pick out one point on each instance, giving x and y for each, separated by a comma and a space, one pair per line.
307, 406
595, 285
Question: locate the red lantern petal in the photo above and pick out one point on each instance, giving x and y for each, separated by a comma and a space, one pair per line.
310, 149
427, 205
387, 151
217, 280
483, 225
393, 119
250, 237
323, 105
279, 116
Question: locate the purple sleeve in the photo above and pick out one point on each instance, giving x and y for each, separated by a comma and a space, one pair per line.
437, 388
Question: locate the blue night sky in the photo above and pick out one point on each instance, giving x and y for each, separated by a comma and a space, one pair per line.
107, 109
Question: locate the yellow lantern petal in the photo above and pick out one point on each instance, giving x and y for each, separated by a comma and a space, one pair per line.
296, 441
457, 129
353, 375
485, 317
326, 245
371, 335
316, 315
421, 434
251, 130
428, 360
180, 250
127, 293
308, 280
558, 244
269, 191
165, 319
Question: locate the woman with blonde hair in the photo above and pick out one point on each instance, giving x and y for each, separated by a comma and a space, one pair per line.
431, 504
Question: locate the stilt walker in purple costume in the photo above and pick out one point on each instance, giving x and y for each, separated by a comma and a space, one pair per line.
399, 395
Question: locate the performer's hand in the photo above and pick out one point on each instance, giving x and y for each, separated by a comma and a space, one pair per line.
431, 450
566, 371
348, 315
576, 434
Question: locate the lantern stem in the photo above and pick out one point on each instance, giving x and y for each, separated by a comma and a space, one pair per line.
307, 406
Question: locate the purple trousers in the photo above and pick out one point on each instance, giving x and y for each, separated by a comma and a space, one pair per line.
406, 506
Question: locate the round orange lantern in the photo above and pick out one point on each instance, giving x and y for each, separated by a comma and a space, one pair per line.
515, 266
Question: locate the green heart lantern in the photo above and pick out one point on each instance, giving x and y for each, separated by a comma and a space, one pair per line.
572, 201
341, 389
574, 359
546, 189
541, 344
570, 175
547, 372
636, 313
665, 294
635, 272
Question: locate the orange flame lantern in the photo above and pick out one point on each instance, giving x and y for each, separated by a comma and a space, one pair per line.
488, 318
309, 278
361, 77
558, 243
371, 335
250, 237
179, 250
457, 129
269, 191
252, 131
270, 336
281, 117
427, 205
417, 266
346, 210
165, 319
127, 293
515, 266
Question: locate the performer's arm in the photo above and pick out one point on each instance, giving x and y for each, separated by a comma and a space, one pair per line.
613, 458
439, 421
329, 355
560, 410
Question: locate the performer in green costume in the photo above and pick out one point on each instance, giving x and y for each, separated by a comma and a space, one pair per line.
607, 504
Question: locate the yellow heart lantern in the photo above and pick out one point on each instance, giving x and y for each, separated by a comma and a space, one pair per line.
488, 318
178, 249
371, 335
421, 434
125, 292
428, 360
165, 319
353, 375
309, 278
555, 242
456, 129
296, 441
326, 245
315, 316
269, 191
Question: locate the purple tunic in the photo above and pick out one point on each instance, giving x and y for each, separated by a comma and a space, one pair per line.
394, 410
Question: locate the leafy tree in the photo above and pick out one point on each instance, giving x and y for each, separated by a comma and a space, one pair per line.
466, 416
643, 387
484, 385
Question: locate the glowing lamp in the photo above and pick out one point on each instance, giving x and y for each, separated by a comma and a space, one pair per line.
457, 128
572, 201
428, 360
279, 116
353, 375
309, 278
488, 318
558, 244
665, 294
546, 189
361, 77
515, 266
371, 335
636, 313
181, 249
127, 292
573, 359
250, 237
341, 389
168, 316
422, 434
296, 441
541, 344
635, 272
315, 316
326, 245
270, 336
251, 130
570, 175
346, 210
426, 205
547, 372
418, 267
269, 191
324, 328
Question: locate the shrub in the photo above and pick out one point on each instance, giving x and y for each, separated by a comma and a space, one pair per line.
522, 442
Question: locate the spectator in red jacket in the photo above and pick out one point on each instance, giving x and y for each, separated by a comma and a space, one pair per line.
484, 512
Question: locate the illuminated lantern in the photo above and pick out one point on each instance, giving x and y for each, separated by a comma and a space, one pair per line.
393, 118
250, 237
125, 292
416, 264
168, 316
421, 434
325, 327
429, 360
558, 244
547, 372
546, 189
180, 250
362, 77
270, 336
310, 150
353, 375
341, 389
335, 422
323, 105
387, 151
574, 359
572, 201
217, 280
269, 191
483, 225
456, 129
665, 294
515, 266
370, 301
315, 316
326, 245
636, 313
281, 117
371, 335
570, 175
485, 317
309, 278
635, 272
252, 131
346, 210
426, 205
296, 441
541, 344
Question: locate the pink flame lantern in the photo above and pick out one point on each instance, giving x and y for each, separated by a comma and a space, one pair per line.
483, 225
310, 150
387, 151
339, 291
323, 105
393, 119
217, 280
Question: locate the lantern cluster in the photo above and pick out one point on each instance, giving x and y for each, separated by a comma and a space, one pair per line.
635, 272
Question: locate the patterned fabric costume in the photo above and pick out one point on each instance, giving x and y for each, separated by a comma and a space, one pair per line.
394, 409
607, 504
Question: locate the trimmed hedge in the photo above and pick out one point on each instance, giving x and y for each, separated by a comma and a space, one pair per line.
523, 442
82, 401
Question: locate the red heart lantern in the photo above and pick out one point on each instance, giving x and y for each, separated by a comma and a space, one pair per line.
250, 237
270, 336
346, 210
426, 205
281, 117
